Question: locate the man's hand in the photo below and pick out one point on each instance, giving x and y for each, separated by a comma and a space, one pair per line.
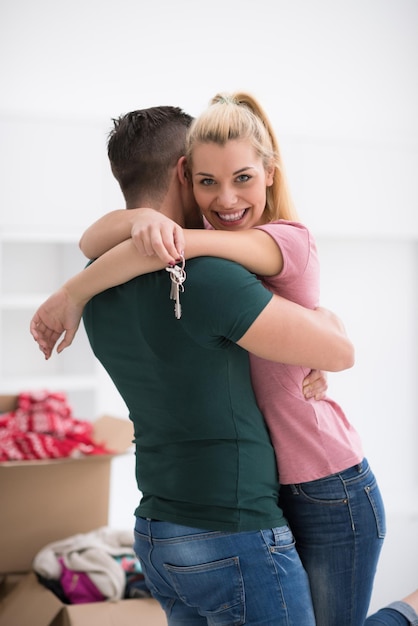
315, 385
57, 315
156, 234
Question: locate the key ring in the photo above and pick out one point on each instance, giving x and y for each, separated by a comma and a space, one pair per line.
177, 272
178, 276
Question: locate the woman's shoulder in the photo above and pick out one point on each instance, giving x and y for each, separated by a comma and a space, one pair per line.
285, 226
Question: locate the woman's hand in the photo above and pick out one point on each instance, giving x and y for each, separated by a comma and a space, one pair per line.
156, 234
315, 385
57, 315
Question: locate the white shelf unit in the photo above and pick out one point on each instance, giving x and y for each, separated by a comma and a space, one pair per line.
32, 266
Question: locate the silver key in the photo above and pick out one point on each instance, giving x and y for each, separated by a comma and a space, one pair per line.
178, 276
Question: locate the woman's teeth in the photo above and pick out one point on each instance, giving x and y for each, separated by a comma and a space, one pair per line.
232, 217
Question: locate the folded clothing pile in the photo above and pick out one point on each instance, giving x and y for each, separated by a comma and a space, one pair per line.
92, 567
42, 427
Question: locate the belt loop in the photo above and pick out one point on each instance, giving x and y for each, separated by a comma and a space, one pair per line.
294, 489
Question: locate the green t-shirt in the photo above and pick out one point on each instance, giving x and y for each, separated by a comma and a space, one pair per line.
203, 453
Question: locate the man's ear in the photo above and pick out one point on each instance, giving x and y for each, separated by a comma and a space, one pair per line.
270, 169
182, 171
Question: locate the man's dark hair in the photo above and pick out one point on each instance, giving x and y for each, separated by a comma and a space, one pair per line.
143, 147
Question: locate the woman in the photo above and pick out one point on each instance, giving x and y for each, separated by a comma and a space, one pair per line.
330, 496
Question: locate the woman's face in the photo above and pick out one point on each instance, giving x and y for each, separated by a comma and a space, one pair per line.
229, 184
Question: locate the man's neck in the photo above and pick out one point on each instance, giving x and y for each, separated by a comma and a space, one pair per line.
171, 205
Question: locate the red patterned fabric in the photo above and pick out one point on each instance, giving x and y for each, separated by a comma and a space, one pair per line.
42, 427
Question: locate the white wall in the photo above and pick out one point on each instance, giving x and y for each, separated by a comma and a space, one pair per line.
339, 79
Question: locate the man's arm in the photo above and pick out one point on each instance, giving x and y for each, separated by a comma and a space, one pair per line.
288, 333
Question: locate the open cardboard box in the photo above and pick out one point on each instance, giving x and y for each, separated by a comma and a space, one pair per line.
45, 501
31, 604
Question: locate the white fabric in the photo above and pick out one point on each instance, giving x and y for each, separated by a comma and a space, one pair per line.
92, 553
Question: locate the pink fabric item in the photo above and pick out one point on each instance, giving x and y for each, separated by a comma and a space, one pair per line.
77, 586
42, 427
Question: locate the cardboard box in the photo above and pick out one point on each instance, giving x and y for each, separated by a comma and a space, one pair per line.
45, 501
7, 583
8, 403
31, 604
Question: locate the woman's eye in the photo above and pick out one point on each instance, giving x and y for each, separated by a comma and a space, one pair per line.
207, 182
243, 178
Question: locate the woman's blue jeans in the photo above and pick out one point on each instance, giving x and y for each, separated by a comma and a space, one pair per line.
217, 578
396, 614
339, 526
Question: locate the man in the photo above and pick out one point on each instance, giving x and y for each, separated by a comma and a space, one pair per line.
212, 540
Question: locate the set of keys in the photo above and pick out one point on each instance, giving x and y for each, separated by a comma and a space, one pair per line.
178, 277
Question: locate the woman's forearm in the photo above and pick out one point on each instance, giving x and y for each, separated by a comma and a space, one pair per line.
253, 248
117, 266
108, 231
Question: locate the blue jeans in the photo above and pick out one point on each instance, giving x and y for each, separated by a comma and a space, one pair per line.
396, 614
339, 526
214, 578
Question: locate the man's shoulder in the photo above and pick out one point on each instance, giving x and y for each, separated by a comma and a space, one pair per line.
215, 281
213, 264
216, 271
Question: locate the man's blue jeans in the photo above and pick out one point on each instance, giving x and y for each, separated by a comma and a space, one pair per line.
220, 578
339, 526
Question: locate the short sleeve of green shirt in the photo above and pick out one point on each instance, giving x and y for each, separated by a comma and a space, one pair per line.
221, 300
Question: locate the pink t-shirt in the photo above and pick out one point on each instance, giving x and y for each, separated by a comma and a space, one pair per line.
312, 439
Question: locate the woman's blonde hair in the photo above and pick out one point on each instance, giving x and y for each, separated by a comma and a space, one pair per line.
239, 116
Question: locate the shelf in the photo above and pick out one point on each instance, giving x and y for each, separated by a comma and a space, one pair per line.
24, 236
37, 267
32, 266
20, 354
15, 384
11, 302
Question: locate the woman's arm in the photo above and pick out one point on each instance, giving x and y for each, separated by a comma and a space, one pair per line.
108, 231
315, 339
328, 348
156, 234
253, 248
62, 311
